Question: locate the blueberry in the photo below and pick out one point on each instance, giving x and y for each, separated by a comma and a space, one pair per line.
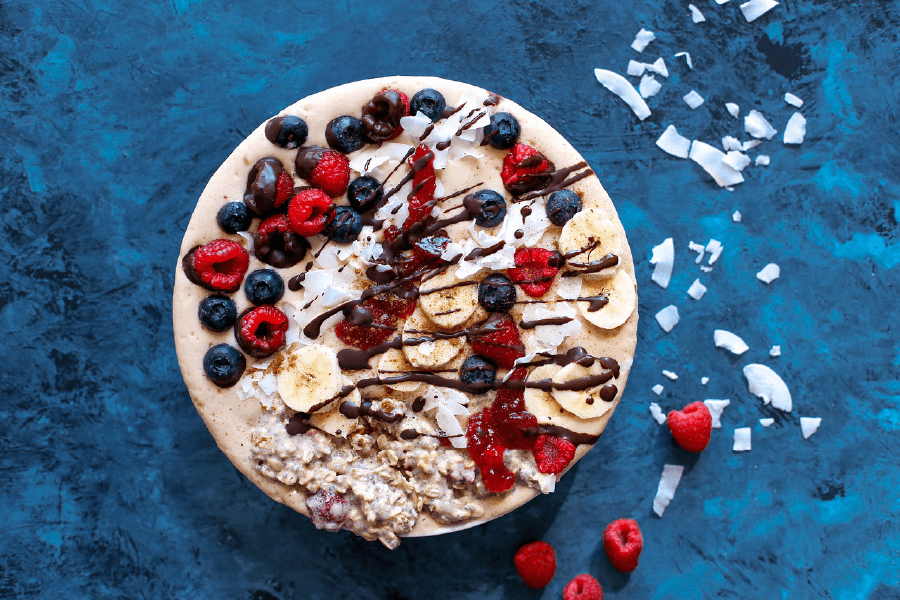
477, 369
346, 225
364, 193
496, 293
224, 365
217, 313
345, 134
288, 131
503, 131
234, 217
264, 286
488, 207
562, 206
428, 101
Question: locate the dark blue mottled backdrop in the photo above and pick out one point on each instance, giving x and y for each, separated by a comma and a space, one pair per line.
114, 114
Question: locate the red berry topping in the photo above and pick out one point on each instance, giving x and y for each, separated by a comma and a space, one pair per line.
219, 265
391, 233
310, 211
260, 332
327, 509
623, 543
498, 339
381, 116
263, 185
553, 454
325, 169
426, 252
276, 244
421, 200
285, 188
372, 322
536, 564
525, 170
583, 587
691, 426
533, 270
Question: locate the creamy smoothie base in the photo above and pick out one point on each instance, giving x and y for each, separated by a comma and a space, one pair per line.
386, 456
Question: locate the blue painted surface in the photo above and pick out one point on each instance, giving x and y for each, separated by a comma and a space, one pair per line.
114, 115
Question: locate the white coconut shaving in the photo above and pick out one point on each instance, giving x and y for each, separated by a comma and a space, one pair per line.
721, 1
664, 258
756, 8
668, 483
696, 290
766, 422
729, 341
704, 380
756, 125
736, 217
711, 159
551, 336
569, 288
668, 318
619, 86
673, 143
775, 351
795, 130
731, 143
742, 439
809, 425
696, 15
698, 248
635, 68
659, 67
716, 408
687, 58
705, 269
714, 247
657, 389
670, 375
762, 160
793, 100
641, 40
765, 384
649, 86
733, 109
693, 99
769, 273
736, 160
657, 413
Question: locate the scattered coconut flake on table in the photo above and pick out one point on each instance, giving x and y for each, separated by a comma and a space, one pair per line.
670, 375
795, 130
716, 407
769, 273
762, 160
699, 249
668, 483
729, 341
731, 143
742, 439
693, 99
704, 380
673, 143
736, 217
635, 68
667, 318
696, 15
775, 351
736, 160
663, 257
687, 57
619, 86
750, 144
809, 425
721, 1
766, 422
714, 247
657, 413
659, 67
793, 100
649, 86
733, 109
642, 38
764, 383
711, 159
756, 8
696, 290
657, 389
756, 125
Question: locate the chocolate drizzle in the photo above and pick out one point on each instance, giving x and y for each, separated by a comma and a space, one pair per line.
352, 411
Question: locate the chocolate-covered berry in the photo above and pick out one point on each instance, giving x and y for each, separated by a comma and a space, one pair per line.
224, 365
496, 293
234, 217
477, 369
345, 134
346, 225
288, 131
562, 205
381, 116
487, 206
364, 193
276, 244
264, 286
218, 265
217, 313
428, 101
261, 195
260, 331
503, 131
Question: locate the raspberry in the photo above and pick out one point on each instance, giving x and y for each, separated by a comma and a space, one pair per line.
535, 270
552, 453
325, 169
425, 252
391, 233
262, 185
260, 332
381, 116
583, 587
498, 339
525, 170
391, 304
623, 543
276, 244
691, 426
219, 265
327, 509
285, 188
369, 333
310, 211
536, 563
421, 200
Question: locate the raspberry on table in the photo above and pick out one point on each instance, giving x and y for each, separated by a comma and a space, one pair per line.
583, 587
691, 426
623, 543
536, 564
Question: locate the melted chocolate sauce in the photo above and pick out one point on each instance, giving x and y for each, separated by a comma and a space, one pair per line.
549, 321
352, 411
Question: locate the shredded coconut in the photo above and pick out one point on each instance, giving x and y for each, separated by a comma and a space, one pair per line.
795, 130
658, 389
756, 125
696, 15
670, 375
673, 143
765, 384
733, 109
641, 40
729, 341
687, 57
693, 99
769, 273
775, 351
756, 8
762, 160
663, 257
736, 217
704, 380
766, 422
742, 439
711, 159
619, 86
649, 86
667, 318
809, 425
696, 290
668, 483
657, 413
716, 407
793, 100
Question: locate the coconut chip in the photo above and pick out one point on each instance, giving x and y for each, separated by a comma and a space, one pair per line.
687, 57
765, 384
716, 407
641, 40
714, 247
733, 109
693, 99
635, 68
736, 160
795, 130
670, 375
731, 143
668, 318
619, 86
775, 351
673, 143
793, 100
729, 341
766, 422
696, 290
756, 8
668, 483
657, 413
649, 86
659, 67
809, 425
736, 217
711, 159
769, 273
699, 249
664, 258
762, 160
704, 380
696, 15
742, 439
657, 389
721, 1
756, 125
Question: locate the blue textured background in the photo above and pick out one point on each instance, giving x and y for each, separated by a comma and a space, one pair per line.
115, 113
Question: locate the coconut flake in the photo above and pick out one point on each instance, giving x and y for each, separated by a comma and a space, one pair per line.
668, 483
636, 68
731, 143
756, 8
711, 159
696, 290
714, 247
673, 143
657, 413
762, 160
795, 130
696, 15
736, 217
733, 109
756, 125
663, 257
729, 341
793, 100
619, 86
693, 99
642, 38
659, 67
716, 407
765, 384
769, 273
809, 425
698, 248
657, 389
667, 318
766, 422
687, 57
721, 1
569, 288
649, 86
742, 439
670, 375
736, 160
775, 351
704, 380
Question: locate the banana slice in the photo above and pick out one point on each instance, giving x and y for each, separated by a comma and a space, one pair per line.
453, 303
587, 239
393, 363
621, 298
331, 420
585, 403
548, 411
432, 353
309, 377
